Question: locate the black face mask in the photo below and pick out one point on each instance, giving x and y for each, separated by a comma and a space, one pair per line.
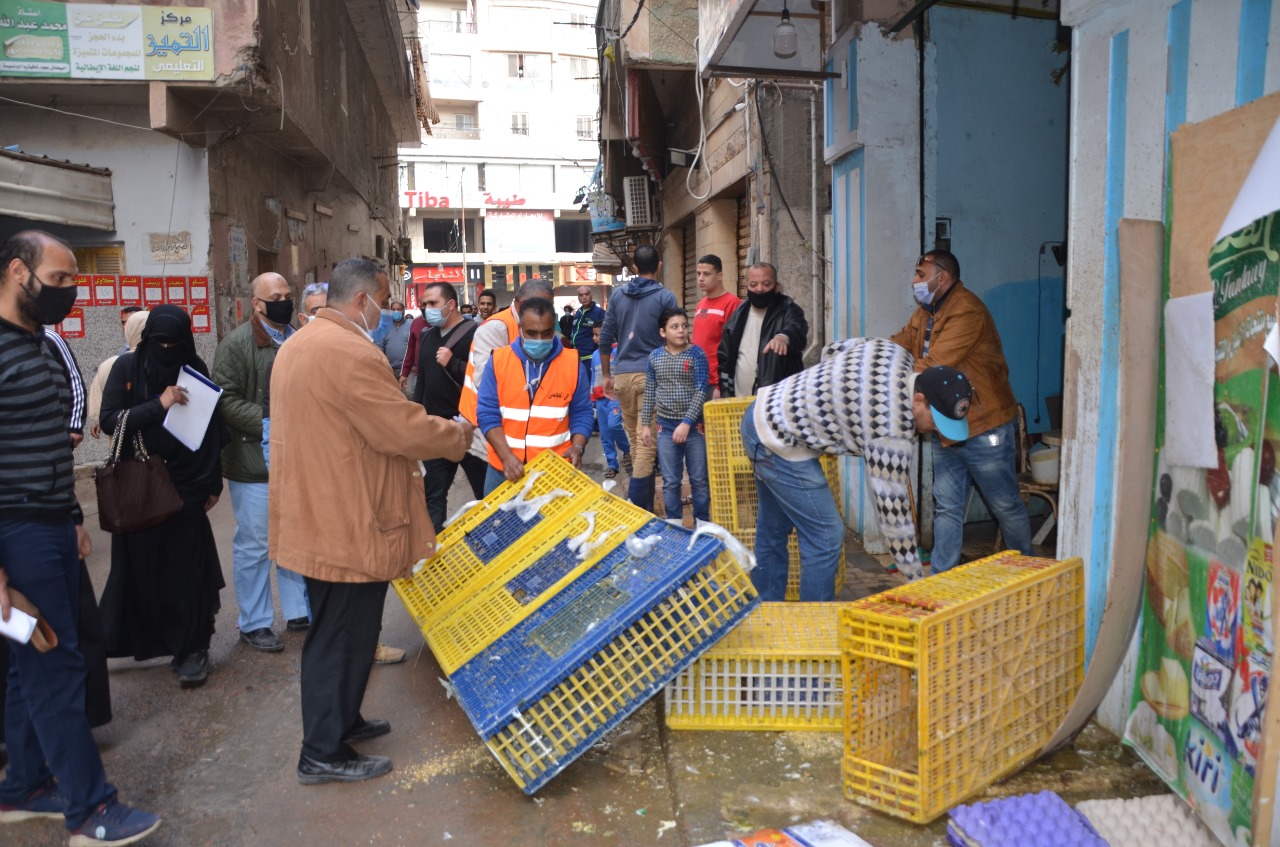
763, 299
49, 305
279, 311
168, 358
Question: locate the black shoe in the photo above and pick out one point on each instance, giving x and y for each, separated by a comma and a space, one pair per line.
311, 772
263, 639
194, 670
366, 730
298, 624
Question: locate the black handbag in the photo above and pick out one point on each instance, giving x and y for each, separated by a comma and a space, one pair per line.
136, 493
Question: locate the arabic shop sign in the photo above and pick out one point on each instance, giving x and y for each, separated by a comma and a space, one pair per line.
99, 41
427, 200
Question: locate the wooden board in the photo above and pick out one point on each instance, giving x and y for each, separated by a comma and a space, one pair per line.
1210, 162
1141, 284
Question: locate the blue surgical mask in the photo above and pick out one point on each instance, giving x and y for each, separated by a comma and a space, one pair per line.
536, 349
380, 331
397, 316
434, 317
920, 291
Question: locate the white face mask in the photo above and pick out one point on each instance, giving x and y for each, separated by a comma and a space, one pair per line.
920, 291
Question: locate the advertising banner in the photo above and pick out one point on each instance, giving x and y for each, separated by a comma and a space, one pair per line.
130, 291
105, 41
152, 291
104, 290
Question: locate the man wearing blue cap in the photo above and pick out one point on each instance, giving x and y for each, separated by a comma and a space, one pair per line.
863, 399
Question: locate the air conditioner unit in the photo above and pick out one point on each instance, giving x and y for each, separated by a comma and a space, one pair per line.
635, 191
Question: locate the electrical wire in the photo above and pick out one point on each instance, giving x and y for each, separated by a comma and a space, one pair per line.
634, 18
702, 139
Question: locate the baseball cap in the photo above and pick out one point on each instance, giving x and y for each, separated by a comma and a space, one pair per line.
948, 393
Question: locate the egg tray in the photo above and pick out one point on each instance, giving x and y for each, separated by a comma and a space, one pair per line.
1030, 820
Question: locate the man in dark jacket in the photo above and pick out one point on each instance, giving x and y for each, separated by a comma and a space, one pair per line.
585, 320
240, 367
764, 342
631, 322
443, 349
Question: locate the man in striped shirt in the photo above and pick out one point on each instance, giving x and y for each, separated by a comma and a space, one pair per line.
38, 557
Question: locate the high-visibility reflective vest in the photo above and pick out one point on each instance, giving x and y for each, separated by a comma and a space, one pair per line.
543, 424
468, 398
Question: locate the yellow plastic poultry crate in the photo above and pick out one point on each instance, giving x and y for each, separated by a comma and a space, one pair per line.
481, 544
954, 681
541, 566
733, 487
777, 670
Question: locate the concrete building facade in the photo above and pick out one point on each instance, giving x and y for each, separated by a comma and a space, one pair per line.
281, 158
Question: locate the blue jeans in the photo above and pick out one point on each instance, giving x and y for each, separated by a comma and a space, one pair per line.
792, 495
252, 567
45, 725
986, 460
492, 479
672, 460
613, 436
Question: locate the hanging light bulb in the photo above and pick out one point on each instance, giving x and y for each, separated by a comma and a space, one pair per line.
784, 35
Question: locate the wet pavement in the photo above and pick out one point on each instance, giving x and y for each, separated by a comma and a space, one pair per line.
218, 761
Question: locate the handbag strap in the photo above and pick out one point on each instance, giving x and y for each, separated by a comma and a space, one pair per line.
117, 437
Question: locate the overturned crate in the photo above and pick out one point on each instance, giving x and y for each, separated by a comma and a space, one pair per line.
955, 681
575, 624
778, 670
733, 487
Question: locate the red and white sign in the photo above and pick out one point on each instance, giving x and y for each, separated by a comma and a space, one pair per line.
427, 200
175, 290
84, 290
130, 291
199, 318
422, 200
152, 291
411, 295
199, 290
104, 290
433, 273
72, 325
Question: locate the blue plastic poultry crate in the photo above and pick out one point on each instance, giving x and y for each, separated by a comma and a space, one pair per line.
548, 689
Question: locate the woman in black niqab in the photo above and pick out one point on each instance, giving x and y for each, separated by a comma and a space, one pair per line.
162, 595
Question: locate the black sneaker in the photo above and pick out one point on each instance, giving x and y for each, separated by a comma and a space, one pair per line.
356, 769
263, 639
298, 624
194, 670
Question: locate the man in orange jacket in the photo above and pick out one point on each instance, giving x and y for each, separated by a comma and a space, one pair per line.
534, 396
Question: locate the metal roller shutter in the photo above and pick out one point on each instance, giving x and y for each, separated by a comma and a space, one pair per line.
744, 241
690, 266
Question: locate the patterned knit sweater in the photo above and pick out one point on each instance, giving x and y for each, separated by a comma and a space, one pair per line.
857, 402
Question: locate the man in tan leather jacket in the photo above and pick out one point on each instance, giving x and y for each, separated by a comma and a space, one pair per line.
952, 327
346, 507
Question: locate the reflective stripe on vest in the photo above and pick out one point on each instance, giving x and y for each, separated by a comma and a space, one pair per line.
470, 397
531, 428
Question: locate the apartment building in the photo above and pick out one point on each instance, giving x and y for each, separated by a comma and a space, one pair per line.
494, 194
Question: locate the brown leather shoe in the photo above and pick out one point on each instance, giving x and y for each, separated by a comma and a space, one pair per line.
385, 655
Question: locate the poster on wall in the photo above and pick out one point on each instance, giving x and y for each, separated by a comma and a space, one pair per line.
130, 291
105, 41
104, 290
72, 325
1207, 636
152, 291
84, 290
199, 290
175, 290
199, 318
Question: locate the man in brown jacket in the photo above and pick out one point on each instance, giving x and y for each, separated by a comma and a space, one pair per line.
952, 327
346, 507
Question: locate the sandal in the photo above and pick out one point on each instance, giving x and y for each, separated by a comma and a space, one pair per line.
611, 473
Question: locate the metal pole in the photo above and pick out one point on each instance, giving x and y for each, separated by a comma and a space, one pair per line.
462, 219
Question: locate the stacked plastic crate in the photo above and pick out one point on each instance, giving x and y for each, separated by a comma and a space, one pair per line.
954, 681
733, 487
557, 610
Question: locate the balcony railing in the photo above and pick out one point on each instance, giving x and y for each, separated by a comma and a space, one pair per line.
470, 133
458, 27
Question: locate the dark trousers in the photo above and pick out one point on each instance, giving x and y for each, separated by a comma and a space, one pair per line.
337, 656
439, 479
46, 730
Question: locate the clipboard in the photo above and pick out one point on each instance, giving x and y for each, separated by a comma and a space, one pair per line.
189, 423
